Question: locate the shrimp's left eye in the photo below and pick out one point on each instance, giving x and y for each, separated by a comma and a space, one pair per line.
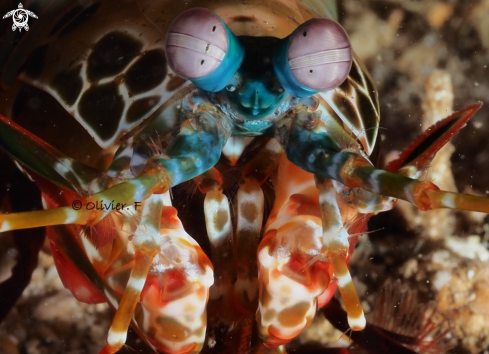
315, 57
201, 48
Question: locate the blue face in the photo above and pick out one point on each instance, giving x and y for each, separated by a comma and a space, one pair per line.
253, 98
255, 91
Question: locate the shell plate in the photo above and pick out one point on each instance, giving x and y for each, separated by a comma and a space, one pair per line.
108, 70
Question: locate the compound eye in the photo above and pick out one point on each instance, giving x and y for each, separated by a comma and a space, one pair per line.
196, 44
319, 54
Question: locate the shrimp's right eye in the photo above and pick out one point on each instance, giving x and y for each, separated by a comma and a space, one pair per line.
315, 57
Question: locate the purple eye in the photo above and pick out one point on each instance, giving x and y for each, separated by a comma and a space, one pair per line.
196, 44
319, 54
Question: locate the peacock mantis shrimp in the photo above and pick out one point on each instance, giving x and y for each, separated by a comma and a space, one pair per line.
272, 88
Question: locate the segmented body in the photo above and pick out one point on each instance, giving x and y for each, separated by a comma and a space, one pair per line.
129, 106
112, 81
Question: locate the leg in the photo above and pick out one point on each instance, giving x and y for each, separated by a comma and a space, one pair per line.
219, 230
250, 209
336, 246
250, 204
173, 302
314, 150
146, 243
293, 272
167, 292
193, 151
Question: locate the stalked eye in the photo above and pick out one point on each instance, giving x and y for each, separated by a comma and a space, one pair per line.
201, 48
196, 43
320, 54
315, 57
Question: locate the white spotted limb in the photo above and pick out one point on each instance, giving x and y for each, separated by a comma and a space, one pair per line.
219, 228
293, 272
146, 244
171, 279
237, 256
336, 245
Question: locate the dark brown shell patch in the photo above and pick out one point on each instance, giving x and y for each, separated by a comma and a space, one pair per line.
101, 108
140, 108
68, 85
147, 72
174, 83
111, 54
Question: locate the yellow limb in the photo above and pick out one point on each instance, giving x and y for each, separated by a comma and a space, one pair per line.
443, 199
89, 210
146, 243
336, 244
356, 317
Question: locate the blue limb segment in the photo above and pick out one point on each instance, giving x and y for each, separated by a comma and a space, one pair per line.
318, 153
194, 151
312, 149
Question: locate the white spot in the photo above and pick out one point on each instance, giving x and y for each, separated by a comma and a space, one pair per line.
357, 324
208, 278
136, 283
449, 200
115, 338
92, 252
71, 216
265, 259
166, 199
212, 207
235, 146
344, 280
253, 197
5, 225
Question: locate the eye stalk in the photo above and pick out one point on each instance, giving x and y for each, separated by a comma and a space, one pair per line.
315, 57
201, 48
